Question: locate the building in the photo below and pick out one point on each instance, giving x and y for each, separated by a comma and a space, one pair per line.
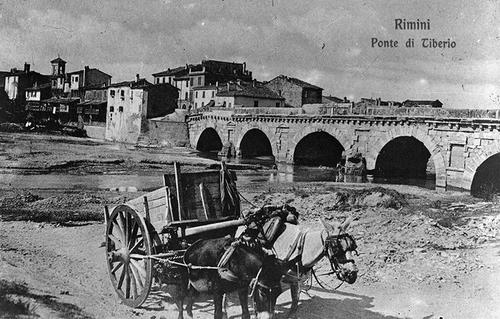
207, 73
17, 81
204, 95
243, 94
422, 103
92, 109
58, 76
35, 95
130, 104
78, 81
296, 92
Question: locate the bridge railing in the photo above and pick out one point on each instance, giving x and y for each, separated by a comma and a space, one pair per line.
318, 109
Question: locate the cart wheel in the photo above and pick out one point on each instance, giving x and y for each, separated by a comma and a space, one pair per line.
128, 241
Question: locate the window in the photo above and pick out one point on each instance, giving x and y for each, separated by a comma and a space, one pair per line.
186, 96
163, 79
229, 105
199, 80
131, 94
202, 104
256, 103
196, 94
169, 80
213, 93
195, 105
277, 104
120, 109
112, 93
122, 94
157, 80
192, 80
111, 108
203, 94
187, 83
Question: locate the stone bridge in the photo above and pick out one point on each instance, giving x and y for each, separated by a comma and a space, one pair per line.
462, 153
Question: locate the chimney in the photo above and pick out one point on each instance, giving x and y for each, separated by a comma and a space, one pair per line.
244, 67
26, 67
254, 83
137, 78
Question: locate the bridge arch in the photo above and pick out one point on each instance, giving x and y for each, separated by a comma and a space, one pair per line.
483, 167
327, 145
209, 140
255, 142
436, 155
241, 134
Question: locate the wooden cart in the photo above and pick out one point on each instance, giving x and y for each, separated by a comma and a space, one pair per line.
163, 223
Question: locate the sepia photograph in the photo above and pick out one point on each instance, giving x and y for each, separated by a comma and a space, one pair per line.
170, 159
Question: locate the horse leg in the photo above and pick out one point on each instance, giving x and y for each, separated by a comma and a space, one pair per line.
224, 306
243, 296
294, 292
189, 302
218, 296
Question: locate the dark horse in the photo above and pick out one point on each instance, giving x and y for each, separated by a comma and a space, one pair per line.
243, 267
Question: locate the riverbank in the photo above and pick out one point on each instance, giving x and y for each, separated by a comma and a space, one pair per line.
422, 253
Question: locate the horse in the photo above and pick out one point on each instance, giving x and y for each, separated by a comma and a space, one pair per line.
300, 251
332, 242
224, 265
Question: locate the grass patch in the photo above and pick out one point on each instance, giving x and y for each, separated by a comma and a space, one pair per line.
15, 309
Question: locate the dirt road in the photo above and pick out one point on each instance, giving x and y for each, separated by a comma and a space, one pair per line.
422, 254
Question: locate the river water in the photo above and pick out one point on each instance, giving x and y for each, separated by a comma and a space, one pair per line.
269, 172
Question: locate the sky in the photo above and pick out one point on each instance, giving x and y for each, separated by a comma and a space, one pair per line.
327, 43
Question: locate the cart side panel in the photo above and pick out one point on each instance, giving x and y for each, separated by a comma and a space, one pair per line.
192, 198
156, 204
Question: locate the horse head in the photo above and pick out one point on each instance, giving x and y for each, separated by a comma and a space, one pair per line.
339, 247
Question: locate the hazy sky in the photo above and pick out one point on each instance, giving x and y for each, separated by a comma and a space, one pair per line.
327, 43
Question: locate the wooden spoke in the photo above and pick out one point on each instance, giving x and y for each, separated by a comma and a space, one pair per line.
118, 230
116, 267
133, 234
140, 269
119, 219
136, 273
127, 282
127, 228
122, 276
137, 244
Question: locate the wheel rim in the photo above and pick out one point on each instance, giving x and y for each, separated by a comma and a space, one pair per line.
128, 241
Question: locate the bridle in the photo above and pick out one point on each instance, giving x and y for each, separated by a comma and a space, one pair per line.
332, 247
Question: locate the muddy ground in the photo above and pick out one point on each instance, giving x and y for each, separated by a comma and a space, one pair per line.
423, 254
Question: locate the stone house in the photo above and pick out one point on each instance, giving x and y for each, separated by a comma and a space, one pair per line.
243, 94
130, 104
296, 92
78, 81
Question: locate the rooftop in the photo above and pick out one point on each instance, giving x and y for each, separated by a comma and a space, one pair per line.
181, 70
297, 82
250, 90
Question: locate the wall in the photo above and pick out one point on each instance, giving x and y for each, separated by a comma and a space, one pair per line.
167, 133
125, 126
291, 92
97, 132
